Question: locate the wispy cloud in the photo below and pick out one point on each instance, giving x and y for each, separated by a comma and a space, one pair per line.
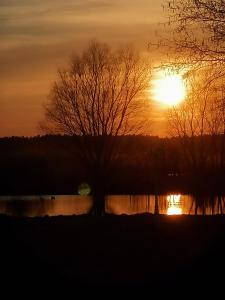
37, 36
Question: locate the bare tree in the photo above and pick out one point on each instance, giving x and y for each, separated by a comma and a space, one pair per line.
198, 28
99, 97
197, 117
217, 124
197, 42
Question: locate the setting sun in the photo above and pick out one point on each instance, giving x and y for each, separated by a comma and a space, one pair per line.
168, 89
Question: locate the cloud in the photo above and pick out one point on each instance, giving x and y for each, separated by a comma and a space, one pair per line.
38, 36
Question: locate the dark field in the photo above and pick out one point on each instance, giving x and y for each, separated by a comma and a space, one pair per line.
71, 253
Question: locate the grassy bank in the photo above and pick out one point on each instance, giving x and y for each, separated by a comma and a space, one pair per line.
131, 251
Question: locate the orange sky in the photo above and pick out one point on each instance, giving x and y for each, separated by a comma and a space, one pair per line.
38, 36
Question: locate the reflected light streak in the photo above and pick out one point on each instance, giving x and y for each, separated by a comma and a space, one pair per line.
174, 205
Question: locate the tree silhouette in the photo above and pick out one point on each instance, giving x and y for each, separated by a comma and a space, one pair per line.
198, 28
199, 123
98, 97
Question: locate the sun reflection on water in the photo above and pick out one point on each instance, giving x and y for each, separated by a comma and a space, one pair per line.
174, 205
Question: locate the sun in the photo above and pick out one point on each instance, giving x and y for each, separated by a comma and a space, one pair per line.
168, 89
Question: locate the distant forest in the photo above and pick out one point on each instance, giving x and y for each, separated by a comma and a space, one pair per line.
50, 165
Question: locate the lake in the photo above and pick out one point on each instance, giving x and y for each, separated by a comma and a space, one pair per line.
170, 204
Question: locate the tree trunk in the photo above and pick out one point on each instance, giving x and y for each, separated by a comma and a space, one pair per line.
156, 211
196, 209
98, 208
99, 181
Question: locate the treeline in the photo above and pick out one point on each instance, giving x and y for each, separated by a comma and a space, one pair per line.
52, 165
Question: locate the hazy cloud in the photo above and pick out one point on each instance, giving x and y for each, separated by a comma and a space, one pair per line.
38, 36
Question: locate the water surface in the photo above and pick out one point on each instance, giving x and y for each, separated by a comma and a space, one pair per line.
117, 204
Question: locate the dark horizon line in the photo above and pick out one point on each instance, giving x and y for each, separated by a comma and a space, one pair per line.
126, 135
67, 135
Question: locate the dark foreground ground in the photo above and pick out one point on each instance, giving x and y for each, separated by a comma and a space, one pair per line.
88, 253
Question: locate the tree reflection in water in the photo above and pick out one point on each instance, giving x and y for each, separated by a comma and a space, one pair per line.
170, 204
